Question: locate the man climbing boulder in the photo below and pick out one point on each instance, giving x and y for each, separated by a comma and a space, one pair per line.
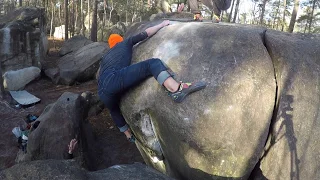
214, 5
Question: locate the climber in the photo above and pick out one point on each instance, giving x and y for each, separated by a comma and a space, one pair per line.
116, 75
214, 5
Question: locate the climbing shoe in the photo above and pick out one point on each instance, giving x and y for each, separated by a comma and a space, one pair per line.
185, 89
215, 19
132, 139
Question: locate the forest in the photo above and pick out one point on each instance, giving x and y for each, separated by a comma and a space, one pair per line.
92, 18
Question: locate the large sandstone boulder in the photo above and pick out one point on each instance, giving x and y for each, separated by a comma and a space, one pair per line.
80, 65
63, 169
59, 123
219, 132
74, 44
23, 41
293, 148
16, 80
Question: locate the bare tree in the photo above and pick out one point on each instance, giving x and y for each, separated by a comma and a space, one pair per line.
52, 15
311, 15
284, 14
60, 20
229, 17
276, 15
294, 15
82, 17
77, 13
72, 19
88, 15
263, 8
94, 22
66, 12
236, 11
127, 12
112, 8
104, 18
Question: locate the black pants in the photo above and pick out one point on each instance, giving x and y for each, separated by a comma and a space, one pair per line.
112, 83
215, 5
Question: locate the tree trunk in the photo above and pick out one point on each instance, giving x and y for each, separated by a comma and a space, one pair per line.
104, 18
311, 15
48, 7
66, 12
76, 21
94, 22
60, 21
264, 2
305, 27
294, 15
52, 16
284, 14
72, 19
127, 13
236, 11
88, 15
71, 22
276, 16
229, 18
1, 83
20, 3
134, 12
110, 13
82, 17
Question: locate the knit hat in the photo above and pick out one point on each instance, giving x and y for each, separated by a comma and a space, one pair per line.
114, 39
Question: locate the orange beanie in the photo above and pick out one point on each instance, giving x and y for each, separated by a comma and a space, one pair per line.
114, 39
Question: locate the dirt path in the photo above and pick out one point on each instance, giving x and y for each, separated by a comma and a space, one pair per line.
113, 148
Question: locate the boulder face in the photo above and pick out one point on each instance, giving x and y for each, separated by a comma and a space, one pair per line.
63, 169
292, 151
44, 169
23, 42
80, 65
59, 123
217, 132
16, 80
73, 44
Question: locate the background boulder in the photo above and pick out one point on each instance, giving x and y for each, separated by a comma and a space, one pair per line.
292, 151
80, 65
74, 44
59, 123
23, 41
16, 80
217, 132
